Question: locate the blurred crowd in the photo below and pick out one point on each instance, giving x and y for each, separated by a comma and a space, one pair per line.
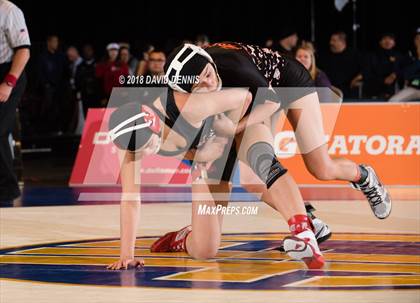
71, 81
384, 74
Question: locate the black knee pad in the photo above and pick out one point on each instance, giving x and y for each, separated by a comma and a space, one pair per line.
264, 163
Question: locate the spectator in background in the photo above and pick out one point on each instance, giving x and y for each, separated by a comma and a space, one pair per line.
142, 66
202, 41
129, 59
74, 60
411, 92
53, 80
86, 81
343, 66
155, 71
287, 43
70, 113
305, 54
109, 70
384, 69
156, 63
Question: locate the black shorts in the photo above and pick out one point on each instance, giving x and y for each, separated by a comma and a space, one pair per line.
295, 82
288, 77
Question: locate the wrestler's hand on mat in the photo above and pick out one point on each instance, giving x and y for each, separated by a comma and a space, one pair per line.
126, 263
223, 126
211, 150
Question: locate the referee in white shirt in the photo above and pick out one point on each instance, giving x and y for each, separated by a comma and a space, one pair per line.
14, 54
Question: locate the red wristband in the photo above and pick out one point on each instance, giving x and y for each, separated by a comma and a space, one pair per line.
10, 80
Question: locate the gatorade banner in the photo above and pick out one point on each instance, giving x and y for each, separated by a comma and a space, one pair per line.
385, 136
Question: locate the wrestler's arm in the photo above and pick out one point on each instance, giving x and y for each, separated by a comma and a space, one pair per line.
129, 210
258, 114
199, 106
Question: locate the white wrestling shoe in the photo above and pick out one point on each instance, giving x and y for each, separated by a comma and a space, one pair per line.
321, 230
303, 246
376, 194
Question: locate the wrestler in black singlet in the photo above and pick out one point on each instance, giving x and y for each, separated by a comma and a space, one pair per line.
240, 65
256, 68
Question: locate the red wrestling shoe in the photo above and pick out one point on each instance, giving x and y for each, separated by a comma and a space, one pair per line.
174, 241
